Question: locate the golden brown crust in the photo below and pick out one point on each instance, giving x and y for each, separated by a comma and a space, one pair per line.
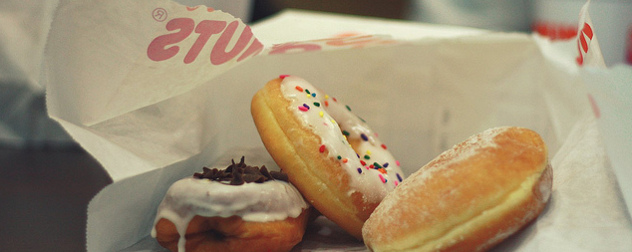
321, 181
234, 234
469, 198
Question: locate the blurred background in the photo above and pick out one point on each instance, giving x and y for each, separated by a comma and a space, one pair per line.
556, 19
46, 180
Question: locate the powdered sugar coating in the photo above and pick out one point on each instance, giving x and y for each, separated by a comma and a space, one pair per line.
456, 154
473, 195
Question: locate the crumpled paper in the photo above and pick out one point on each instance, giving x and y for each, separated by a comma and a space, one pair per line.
121, 83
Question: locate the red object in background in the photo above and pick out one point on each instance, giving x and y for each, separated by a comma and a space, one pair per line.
628, 50
555, 31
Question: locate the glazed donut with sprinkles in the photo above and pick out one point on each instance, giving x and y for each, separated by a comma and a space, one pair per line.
331, 155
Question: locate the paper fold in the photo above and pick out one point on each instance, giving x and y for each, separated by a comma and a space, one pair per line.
135, 46
150, 118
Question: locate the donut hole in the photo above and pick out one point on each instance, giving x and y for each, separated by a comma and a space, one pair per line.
355, 144
360, 150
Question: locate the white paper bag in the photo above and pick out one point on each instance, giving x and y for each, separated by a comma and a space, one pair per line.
130, 85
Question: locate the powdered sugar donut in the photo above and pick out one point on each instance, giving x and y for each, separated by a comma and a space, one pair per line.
242, 208
469, 198
331, 155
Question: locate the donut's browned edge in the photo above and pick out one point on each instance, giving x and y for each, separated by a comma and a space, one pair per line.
220, 234
321, 180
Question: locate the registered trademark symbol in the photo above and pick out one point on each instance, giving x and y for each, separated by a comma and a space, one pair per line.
159, 14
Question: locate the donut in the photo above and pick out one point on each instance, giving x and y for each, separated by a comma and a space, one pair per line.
469, 198
241, 208
331, 155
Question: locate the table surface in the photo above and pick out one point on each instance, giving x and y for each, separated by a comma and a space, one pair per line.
44, 195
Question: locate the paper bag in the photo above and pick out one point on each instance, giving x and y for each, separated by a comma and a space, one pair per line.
155, 90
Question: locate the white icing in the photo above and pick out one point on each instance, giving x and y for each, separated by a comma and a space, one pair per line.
328, 118
258, 202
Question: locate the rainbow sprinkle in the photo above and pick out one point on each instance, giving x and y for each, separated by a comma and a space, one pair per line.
364, 137
382, 178
322, 148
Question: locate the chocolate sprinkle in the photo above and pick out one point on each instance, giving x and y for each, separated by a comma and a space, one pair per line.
238, 174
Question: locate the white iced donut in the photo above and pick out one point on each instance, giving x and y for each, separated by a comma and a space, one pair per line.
330, 154
199, 214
